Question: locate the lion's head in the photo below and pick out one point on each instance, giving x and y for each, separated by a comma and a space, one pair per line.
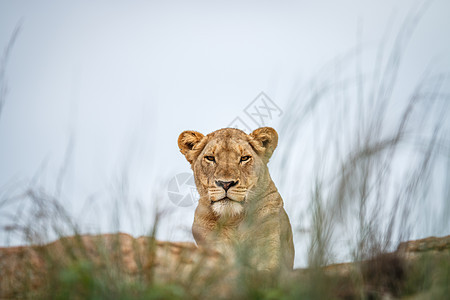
230, 166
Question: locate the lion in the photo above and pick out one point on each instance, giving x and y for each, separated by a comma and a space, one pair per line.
239, 203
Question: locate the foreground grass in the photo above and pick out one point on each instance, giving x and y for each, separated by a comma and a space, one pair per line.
121, 267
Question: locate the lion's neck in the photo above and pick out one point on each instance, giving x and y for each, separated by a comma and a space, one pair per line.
266, 190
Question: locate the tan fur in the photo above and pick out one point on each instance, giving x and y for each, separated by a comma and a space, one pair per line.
250, 214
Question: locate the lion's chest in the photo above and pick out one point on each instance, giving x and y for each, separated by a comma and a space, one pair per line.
242, 232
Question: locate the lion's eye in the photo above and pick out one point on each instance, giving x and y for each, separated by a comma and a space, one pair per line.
245, 158
210, 158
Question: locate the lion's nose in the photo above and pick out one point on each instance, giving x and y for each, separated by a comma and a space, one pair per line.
226, 184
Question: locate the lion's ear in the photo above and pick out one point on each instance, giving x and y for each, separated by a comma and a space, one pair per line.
189, 142
264, 141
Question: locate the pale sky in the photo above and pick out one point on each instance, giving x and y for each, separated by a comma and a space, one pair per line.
120, 80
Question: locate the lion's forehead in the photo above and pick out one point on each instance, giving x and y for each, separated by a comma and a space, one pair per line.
228, 147
229, 133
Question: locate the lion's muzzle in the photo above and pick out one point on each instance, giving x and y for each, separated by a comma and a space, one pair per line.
226, 184
227, 191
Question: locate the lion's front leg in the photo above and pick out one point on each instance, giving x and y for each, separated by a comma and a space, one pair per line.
271, 249
262, 245
200, 234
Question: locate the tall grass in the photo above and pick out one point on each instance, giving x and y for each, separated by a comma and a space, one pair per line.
3, 63
377, 150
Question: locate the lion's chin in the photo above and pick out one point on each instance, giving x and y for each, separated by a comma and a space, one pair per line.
227, 207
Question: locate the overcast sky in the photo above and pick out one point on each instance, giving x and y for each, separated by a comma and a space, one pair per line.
118, 81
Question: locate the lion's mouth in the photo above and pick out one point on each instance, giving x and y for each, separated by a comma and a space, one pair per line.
224, 199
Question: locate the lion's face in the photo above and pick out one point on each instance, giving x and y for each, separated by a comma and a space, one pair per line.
228, 165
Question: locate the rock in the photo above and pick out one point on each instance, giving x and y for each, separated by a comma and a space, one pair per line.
27, 268
387, 275
27, 271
